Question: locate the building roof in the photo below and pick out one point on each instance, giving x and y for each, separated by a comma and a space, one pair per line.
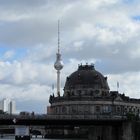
88, 77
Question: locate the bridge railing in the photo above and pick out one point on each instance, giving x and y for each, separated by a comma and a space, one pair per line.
87, 117
8, 116
68, 117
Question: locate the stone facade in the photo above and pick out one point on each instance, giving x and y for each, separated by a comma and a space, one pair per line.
86, 92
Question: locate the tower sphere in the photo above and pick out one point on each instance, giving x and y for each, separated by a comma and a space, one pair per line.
58, 65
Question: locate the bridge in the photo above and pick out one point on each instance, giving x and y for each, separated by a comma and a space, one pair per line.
45, 120
112, 126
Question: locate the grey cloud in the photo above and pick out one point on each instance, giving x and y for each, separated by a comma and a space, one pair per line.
39, 25
26, 33
116, 57
20, 3
25, 73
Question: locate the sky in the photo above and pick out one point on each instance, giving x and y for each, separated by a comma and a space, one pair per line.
103, 32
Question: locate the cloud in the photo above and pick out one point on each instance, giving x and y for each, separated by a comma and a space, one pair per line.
103, 32
24, 73
128, 83
8, 54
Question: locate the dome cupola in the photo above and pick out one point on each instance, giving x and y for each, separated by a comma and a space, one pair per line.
86, 81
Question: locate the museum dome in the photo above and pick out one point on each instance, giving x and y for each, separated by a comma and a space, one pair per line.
86, 77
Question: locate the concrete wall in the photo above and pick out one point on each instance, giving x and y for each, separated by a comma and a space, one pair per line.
103, 133
126, 131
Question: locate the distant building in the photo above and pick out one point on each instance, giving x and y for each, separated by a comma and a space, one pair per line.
7, 105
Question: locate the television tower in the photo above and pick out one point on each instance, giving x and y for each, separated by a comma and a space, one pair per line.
58, 65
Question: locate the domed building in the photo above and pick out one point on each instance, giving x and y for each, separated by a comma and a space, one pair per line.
87, 96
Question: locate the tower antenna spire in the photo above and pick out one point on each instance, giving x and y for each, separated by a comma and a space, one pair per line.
58, 65
58, 36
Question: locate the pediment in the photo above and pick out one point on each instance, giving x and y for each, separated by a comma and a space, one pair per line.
118, 98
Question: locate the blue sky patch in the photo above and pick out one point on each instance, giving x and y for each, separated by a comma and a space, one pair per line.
136, 17
18, 53
129, 1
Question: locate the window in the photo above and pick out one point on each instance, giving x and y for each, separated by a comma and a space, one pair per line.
64, 109
72, 93
130, 109
56, 110
79, 92
106, 109
91, 92
118, 109
98, 109
97, 91
125, 109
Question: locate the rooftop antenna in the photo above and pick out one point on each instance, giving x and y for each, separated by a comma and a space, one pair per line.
53, 89
117, 86
58, 65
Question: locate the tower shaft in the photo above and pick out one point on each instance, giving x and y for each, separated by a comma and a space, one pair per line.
58, 82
